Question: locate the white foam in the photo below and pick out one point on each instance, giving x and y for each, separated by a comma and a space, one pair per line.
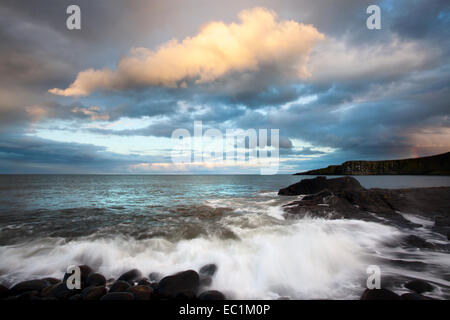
306, 259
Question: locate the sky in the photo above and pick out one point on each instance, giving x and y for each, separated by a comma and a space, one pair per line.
107, 98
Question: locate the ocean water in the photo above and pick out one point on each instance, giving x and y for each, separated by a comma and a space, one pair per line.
172, 223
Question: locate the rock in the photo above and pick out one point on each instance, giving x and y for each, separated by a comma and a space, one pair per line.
311, 186
95, 280
93, 293
442, 221
144, 282
31, 285
29, 295
414, 296
130, 276
4, 292
186, 295
52, 281
212, 295
208, 270
60, 291
181, 284
141, 292
76, 297
418, 242
419, 286
118, 296
120, 286
379, 294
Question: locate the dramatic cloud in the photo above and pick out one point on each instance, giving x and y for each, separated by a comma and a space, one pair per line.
218, 49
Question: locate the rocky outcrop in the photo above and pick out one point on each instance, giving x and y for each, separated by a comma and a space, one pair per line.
345, 198
434, 165
311, 186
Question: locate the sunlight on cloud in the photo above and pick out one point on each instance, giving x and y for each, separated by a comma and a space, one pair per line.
218, 49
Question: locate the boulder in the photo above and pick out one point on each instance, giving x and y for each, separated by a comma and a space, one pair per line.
208, 270
141, 292
95, 280
212, 295
130, 276
414, 296
182, 284
442, 221
60, 291
419, 286
31, 285
93, 293
379, 294
120, 286
312, 186
28, 296
52, 281
4, 291
118, 296
144, 282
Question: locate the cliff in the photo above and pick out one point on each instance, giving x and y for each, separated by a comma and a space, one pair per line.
433, 165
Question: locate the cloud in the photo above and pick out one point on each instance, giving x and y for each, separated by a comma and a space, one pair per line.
217, 50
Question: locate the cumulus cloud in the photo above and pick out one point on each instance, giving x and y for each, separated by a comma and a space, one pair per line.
258, 40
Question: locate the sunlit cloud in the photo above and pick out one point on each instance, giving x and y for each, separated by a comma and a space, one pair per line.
258, 40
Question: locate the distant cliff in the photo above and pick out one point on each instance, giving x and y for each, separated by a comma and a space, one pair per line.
434, 165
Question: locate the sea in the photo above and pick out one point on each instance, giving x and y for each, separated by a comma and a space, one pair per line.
170, 223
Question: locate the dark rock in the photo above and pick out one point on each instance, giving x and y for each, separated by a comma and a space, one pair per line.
442, 221
141, 292
29, 295
182, 283
379, 294
76, 297
186, 295
212, 295
312, 186
4, 291
130, 276
144, 282
414, 296
118, 296
120, 286
95, 280
31, 285
60, 291
419, 286
208, 270
93, 293
415, 241
52, 281
48, 291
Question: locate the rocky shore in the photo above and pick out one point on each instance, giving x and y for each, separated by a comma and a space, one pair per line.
131, 285
345, 198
